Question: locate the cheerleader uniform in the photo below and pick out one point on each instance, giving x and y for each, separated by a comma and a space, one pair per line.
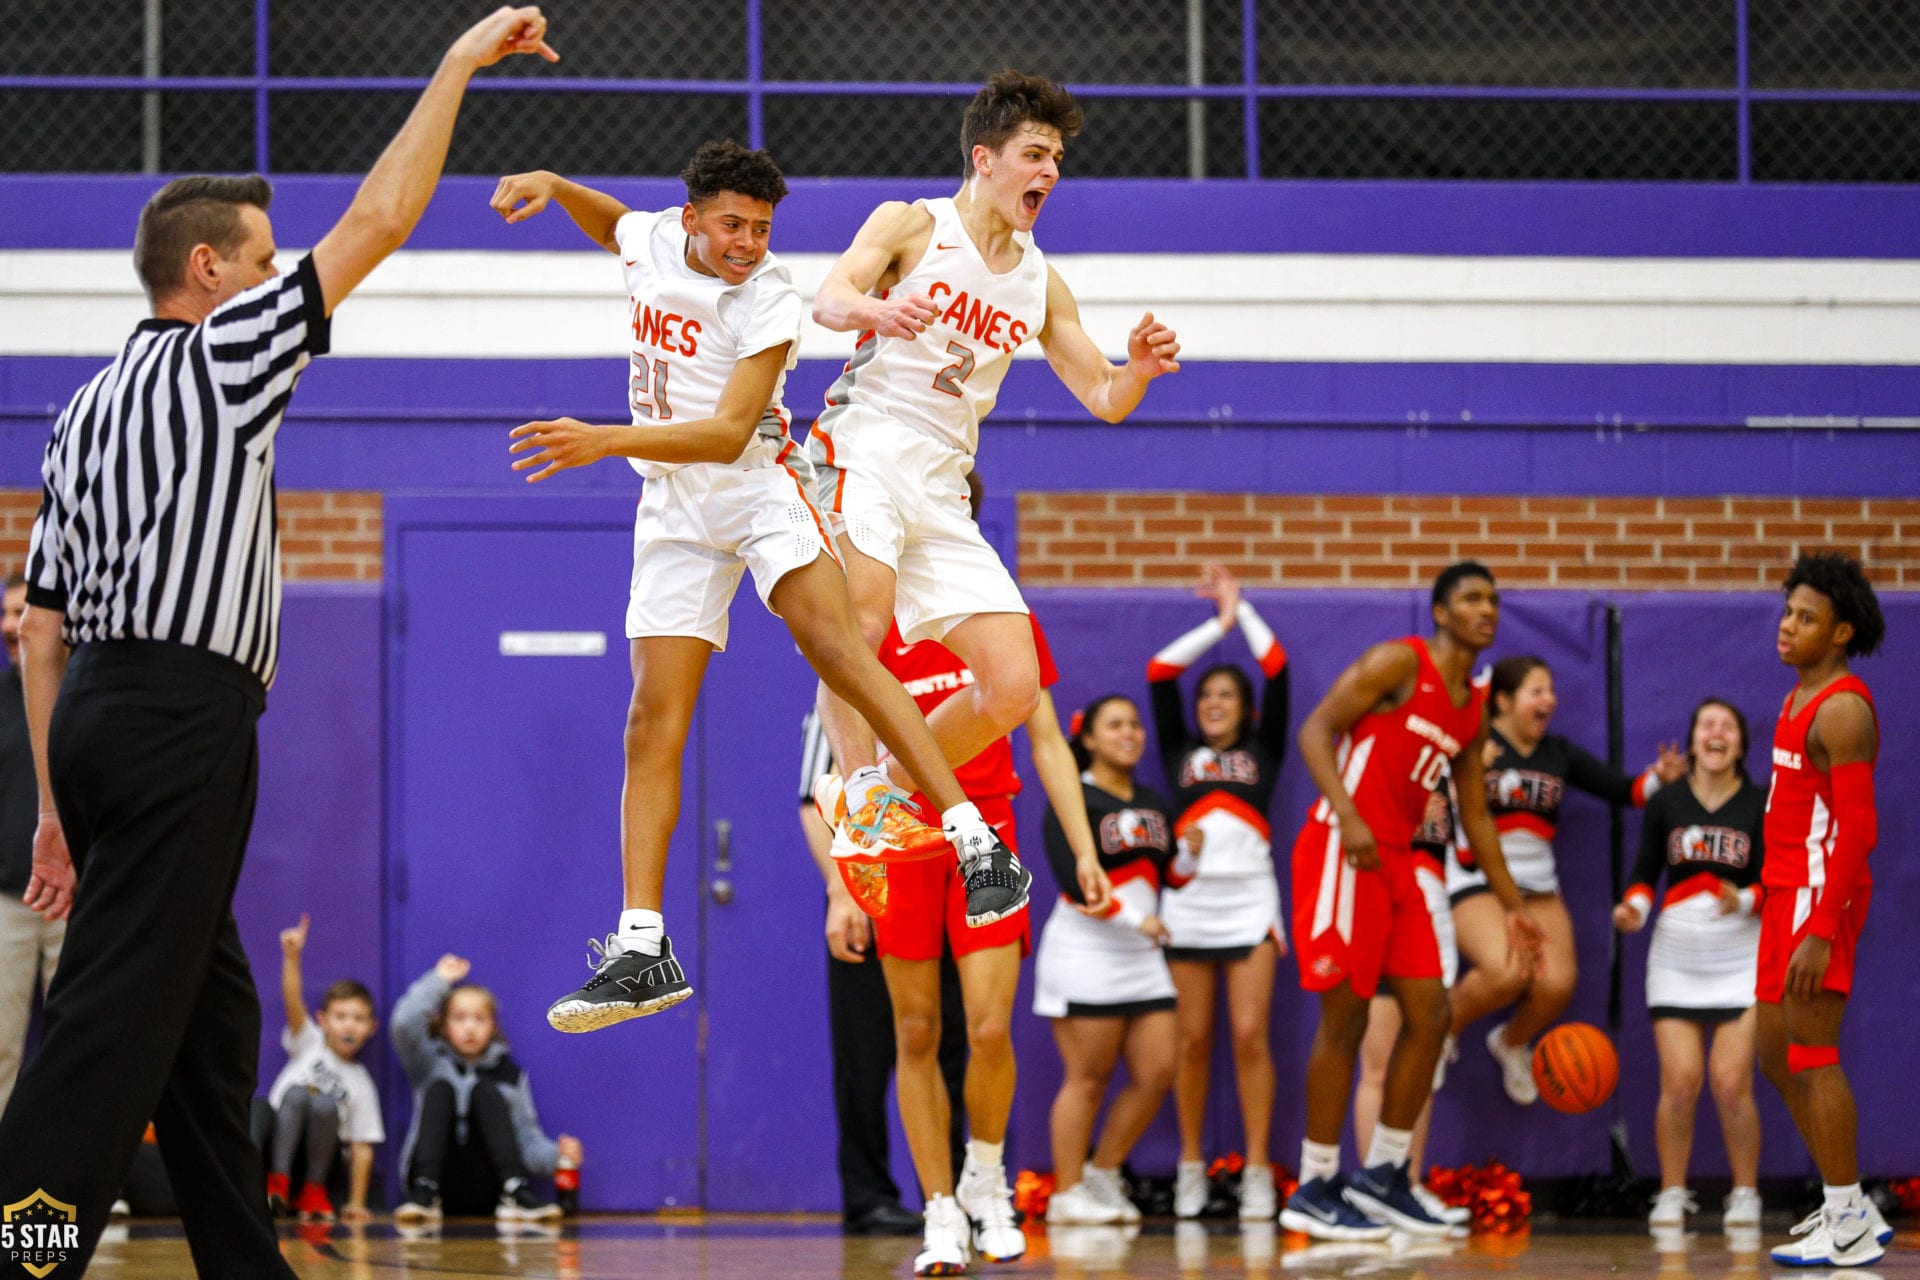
1436, 843
1087, 967
1524, 794
1701, 963
1232, 904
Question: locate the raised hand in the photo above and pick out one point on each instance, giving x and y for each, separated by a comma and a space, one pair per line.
452, 968
906, 316
534, 189
560, 444
1152, 348
1221, 587
293, 941
503, 33
1672, 764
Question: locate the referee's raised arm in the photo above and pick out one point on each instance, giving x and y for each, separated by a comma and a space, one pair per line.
395, 194
150, 640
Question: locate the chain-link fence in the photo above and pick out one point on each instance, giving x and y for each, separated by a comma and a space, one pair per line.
1687, 90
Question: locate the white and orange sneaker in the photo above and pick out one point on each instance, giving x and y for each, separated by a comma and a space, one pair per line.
881, 827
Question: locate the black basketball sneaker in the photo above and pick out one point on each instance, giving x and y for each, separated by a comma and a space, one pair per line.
625, 984
995, 881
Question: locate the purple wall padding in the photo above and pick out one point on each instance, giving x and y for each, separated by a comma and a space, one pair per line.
317, 847
316, 844
1608, 219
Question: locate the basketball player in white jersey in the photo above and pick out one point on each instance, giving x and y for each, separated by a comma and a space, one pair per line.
942, 292
716, 326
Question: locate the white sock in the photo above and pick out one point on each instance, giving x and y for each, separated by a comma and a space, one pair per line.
642, 930
1389, 1146
1319, 1159
985, 1155
863, 781
962, 817
1839, 1198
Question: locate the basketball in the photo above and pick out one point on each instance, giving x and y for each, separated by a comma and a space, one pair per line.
1576, 1067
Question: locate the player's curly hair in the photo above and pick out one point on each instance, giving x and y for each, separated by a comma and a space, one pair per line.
1008, 101
201, 209
728, 166
1840, 579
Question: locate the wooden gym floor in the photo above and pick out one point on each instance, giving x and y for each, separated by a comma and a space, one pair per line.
726, 1246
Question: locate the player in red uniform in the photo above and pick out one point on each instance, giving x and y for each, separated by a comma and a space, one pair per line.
1820, 828
1377, 744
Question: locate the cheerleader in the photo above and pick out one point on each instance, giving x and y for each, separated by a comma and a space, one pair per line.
1226, 922
1528, 771
1100, 977
1708, 836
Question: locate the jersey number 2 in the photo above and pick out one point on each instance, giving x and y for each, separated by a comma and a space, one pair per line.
950, 378
650, 392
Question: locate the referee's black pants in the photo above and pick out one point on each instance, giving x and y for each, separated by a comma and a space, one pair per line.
152, 1014
860, 1018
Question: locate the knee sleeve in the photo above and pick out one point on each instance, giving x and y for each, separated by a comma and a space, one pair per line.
1807, 1057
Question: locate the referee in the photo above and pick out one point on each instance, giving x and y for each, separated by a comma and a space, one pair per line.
150, 640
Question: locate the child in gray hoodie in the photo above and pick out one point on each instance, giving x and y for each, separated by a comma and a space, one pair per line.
475, 1140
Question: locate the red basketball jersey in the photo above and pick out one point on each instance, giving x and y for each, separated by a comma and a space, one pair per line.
1801, 824
1390, 761
932, 673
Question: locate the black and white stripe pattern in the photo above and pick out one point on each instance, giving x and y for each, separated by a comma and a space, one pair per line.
816, 756
157, 516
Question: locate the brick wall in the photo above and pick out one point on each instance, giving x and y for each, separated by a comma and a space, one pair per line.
324, 537
1391, 540
1336, 540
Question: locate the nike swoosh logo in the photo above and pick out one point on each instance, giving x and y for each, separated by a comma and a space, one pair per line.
1849, 1245
1324, 1215
946, 246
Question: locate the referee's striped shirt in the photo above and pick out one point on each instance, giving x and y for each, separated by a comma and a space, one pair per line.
816, 757
157, 515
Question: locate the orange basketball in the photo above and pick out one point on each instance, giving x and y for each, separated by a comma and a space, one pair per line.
1576, 1067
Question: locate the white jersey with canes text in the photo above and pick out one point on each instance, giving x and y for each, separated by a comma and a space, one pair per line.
942, 382
690, 330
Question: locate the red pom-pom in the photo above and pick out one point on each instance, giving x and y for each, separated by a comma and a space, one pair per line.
1032, 1191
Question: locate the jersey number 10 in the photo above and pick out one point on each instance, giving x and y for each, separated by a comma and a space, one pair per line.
1430, 767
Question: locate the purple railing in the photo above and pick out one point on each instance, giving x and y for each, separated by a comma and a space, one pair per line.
756, 89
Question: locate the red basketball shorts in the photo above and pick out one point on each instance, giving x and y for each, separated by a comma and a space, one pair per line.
1784, 915
927, 904
1357, 926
